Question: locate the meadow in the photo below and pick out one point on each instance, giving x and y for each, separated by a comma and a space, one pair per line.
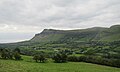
28, 65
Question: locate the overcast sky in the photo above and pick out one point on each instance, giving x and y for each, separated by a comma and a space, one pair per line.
21, 19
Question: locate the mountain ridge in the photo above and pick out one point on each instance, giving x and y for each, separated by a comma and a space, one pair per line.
97, 33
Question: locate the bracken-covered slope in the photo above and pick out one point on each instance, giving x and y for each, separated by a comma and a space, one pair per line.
90, 34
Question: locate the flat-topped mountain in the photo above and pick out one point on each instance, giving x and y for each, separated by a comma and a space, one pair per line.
90, 34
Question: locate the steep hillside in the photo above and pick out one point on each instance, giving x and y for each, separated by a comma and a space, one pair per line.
48, 35
110, 34
90, 34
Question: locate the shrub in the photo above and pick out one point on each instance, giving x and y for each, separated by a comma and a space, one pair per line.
36, 57
60, 58
73, 59
39, 57
17, 56
42, 58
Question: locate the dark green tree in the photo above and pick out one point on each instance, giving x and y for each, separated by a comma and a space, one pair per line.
36, 58
39, 57
4, 53
42, 58
60, 58
17, 56
17, 50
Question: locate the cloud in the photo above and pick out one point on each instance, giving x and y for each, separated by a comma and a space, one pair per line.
32, 16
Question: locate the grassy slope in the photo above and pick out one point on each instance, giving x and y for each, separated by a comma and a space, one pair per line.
110, 38
50, 37
95, 34
26, 66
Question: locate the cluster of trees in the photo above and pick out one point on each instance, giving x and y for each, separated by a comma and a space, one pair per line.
95, 60
60, 57
10, 54
39, 58
57, 57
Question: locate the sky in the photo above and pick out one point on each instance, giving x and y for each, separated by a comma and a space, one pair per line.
21, 19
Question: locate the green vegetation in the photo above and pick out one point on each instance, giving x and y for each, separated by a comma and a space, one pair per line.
60, 58
31, 66
39, 57
95, 60
67, 49
6, 54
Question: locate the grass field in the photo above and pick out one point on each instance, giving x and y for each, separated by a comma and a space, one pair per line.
28, 65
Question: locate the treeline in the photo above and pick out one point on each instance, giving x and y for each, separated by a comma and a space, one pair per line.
60, 57
10, 54
63, 57
96, 60
57, 57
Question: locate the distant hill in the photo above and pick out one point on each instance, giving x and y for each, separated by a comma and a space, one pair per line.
90, 34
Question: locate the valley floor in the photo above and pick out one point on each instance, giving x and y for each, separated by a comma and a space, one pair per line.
27, 66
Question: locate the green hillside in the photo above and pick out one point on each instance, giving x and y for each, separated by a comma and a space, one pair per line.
90, 34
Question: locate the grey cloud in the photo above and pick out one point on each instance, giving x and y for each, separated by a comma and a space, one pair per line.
37, 12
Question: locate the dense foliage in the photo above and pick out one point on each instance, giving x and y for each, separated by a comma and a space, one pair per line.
8, 54
95, 60
39, 58
60, 58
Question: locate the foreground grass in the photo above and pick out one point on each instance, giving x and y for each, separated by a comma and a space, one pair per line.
28, 65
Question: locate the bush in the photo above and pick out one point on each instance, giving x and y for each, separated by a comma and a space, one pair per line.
73, 59
60, 58
17, 56
40, 58
36, 58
